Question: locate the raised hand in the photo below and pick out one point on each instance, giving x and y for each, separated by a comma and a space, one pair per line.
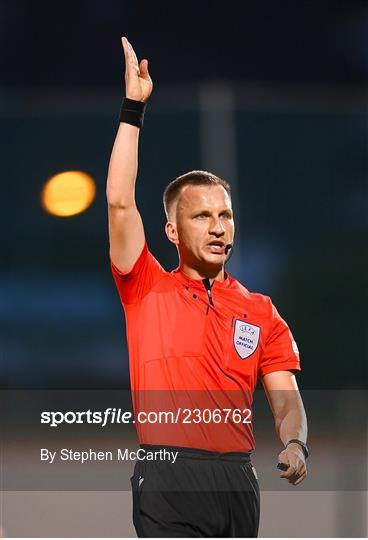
138, 83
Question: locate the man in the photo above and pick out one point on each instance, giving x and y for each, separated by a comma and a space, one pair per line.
198, 340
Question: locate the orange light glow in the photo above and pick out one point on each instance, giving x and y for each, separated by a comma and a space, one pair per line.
68, 193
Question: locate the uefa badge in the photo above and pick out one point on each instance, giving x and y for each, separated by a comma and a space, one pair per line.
246, 338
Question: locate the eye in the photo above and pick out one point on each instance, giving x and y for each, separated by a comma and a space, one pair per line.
201, 216
226, 215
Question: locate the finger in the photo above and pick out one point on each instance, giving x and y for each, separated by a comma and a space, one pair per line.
132, 66
134, 56
143, 67
124, 43
300, 479
283, 458
143, 70
129, 60
302, 472
133, 60
289, 473
293, 478
296, 464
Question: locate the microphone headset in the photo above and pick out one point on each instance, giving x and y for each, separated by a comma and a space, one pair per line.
229, 248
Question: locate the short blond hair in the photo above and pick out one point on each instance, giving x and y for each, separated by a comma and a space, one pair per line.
191, 178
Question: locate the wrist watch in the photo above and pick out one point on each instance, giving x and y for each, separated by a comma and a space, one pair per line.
302, 444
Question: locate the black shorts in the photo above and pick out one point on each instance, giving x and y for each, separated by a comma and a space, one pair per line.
202, 494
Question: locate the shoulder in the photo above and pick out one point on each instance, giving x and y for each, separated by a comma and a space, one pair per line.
260, 302
135, 284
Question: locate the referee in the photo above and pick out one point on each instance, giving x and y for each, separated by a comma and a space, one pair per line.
198, 341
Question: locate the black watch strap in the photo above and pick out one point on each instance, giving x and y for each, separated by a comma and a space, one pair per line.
302, 444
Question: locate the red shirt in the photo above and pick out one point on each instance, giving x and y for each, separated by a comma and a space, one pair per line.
191, 351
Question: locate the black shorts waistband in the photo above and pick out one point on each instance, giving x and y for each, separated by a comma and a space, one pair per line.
199, 453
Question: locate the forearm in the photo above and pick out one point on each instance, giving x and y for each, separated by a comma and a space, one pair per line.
290, 419
123, 167
290, 422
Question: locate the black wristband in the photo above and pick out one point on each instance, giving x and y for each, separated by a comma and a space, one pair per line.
132, 112
301, 444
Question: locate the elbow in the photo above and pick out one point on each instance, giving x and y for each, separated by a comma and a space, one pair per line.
116, 204
115, 201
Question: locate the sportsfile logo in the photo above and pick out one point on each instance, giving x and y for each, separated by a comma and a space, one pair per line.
118, 416
108, 416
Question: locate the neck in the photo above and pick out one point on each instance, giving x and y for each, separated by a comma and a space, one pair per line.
213, 274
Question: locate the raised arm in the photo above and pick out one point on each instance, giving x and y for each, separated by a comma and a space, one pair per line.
126, 231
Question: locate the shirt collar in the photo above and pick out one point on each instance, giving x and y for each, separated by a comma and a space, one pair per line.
198, 283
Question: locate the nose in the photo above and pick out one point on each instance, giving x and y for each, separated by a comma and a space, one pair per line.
216, 227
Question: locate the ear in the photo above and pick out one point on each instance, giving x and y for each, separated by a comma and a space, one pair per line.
171, 232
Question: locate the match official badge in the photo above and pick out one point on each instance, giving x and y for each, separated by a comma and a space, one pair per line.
246, 338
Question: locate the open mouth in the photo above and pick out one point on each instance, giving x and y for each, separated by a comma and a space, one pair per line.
217, 246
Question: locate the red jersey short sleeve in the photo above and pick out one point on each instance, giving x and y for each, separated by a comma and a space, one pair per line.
187, 353
280, 352
134, 285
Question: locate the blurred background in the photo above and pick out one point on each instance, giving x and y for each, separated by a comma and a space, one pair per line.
270, 95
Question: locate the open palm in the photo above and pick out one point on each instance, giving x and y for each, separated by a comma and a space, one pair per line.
138, 83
